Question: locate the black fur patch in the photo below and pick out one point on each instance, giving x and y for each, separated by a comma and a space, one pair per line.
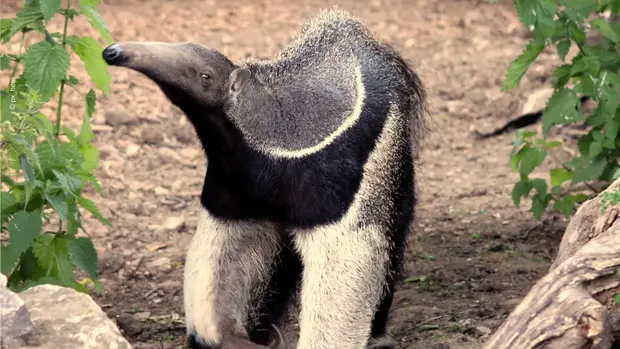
196, 343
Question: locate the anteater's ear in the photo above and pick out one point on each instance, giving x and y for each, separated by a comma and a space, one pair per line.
238, 78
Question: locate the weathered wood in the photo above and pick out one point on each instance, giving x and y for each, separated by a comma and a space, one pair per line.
572, 306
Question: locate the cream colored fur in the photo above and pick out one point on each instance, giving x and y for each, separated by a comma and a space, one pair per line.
227, 266
346, 263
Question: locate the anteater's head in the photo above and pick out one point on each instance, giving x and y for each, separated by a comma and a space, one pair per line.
189, 74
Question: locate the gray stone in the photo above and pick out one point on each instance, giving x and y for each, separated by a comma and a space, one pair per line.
68, 319
14, 316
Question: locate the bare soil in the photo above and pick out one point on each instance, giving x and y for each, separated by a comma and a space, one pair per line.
472, 255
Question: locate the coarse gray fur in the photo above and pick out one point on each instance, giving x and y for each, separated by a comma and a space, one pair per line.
305, 93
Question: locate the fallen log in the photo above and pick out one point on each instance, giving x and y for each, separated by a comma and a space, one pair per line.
573, 306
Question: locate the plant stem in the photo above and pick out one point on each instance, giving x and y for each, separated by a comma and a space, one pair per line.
21, 46
62, 83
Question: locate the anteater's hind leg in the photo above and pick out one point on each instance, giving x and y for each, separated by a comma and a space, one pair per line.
230, 272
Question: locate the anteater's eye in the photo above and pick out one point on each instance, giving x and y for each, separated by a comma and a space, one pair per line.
205, 77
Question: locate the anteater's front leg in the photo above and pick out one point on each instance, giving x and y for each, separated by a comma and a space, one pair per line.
229, 268
344, 284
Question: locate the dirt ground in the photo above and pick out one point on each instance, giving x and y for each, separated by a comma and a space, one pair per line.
472, 254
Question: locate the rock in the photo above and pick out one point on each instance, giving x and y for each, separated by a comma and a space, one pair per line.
160, 263
142, 316
537, 100
66, 318
159, 191
174, 223
119, 117
14, 316
171, 285
482, 331
132, 149
152, 135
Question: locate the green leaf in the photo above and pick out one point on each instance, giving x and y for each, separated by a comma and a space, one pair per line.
91, 100
560, 75
526, 10
559, 176
565, 205
42, 123
519, 66
5, 28
27, 15
27, 167
52, 253
91, 157
73, 80
604, 28
89, 9
23, 228
49, 8
58, 203
70, 183
595, 149
5, 62
531, 158
45, 66
539, 204
586, 64
520, 190
83, 255
8, 203
540, 185
92, 208
562, 108
578, 10
89, 51
563, 47
589, 169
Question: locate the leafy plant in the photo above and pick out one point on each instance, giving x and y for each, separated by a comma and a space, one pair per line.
593, 73
46, 166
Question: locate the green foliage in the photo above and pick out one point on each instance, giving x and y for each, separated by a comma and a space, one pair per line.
43, 174
593, 72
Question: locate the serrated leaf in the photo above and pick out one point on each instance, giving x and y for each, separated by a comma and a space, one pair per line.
42, 123
83, 255
49, 8
562, 108
70, 183
89, 51
563, 48
73, 80
5, 28
540, 185
23, 228
519, 66
58, 203
520, 190
565, 205
530, 159
26, 16
86, 133
45, 66
89, 9
5, 62
92, 208
8, 203
559, 176
91, 100
91, 157
539, 204
560, 75
27, 168
592, 169
52, 252
578, 10
604, 28
526, 9
586, 64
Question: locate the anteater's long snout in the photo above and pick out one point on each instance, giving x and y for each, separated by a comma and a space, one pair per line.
114, 54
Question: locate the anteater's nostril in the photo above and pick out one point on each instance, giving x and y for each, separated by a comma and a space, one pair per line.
112, 53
